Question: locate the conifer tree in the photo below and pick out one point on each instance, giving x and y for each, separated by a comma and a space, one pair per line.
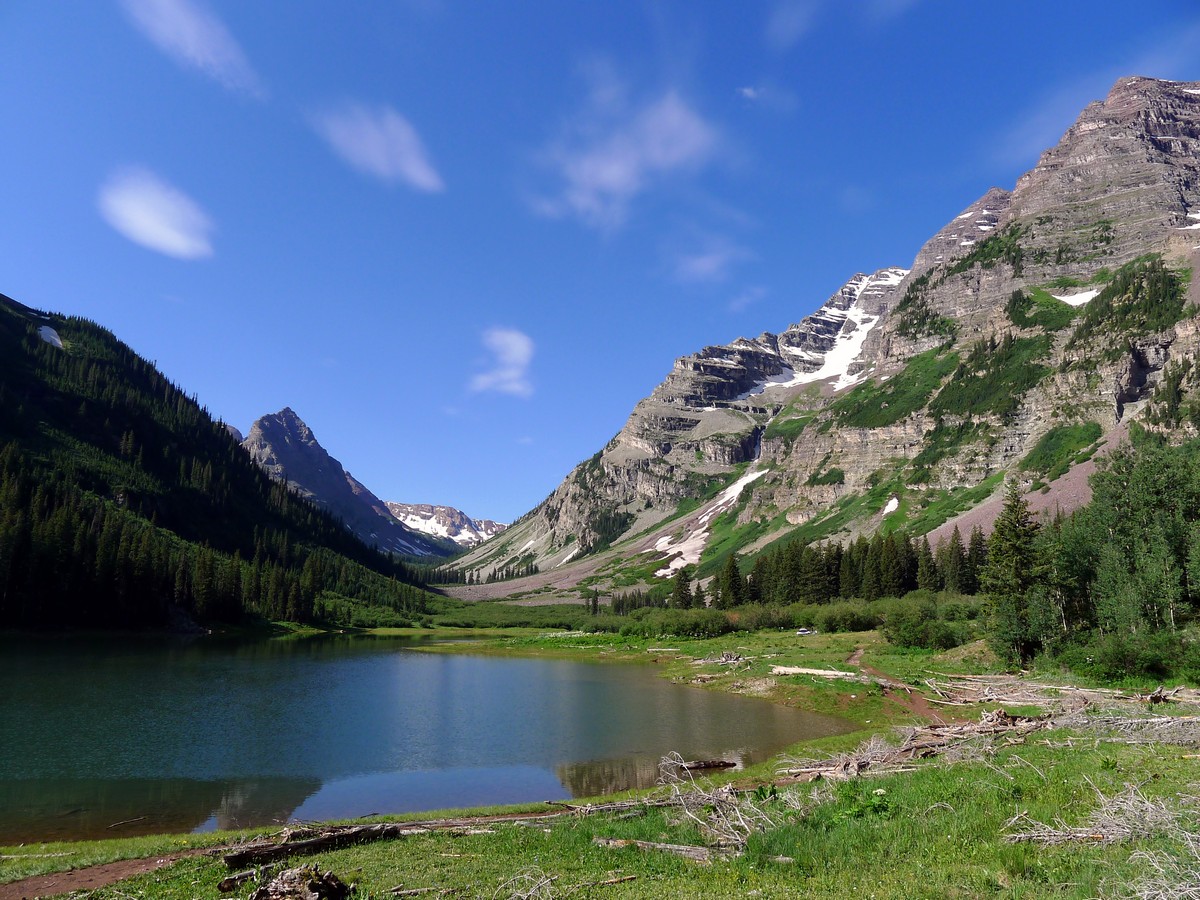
1008, 577
927, 573
681, 592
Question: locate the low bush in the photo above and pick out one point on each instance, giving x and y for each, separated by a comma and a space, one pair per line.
697, 623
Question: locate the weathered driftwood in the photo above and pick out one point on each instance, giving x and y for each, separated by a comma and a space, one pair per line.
877, 756
301, 841
687, 851
695, 764
261, 852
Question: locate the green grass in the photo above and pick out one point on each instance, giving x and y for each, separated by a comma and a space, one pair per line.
787, 429
994, 377
938, 831
1059, 448
875, 405
1039, 309
942, 506
944, 440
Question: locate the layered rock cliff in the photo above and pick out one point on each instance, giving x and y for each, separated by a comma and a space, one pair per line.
1039, 318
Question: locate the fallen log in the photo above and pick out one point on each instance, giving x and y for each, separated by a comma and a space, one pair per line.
261, 852
692, 764
687, 851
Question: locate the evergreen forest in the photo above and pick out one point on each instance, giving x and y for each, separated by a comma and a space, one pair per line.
123, 503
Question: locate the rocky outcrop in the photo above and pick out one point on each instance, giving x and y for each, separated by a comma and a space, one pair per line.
286, 448
977, 381
445, 522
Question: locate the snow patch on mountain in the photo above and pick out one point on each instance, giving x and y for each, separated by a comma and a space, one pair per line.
687, 551
1077, 299
445, 522
50, 336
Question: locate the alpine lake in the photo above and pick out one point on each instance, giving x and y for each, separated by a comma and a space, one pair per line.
113, 736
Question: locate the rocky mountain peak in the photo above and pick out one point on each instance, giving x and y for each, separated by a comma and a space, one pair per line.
982, 354
445, 522
286, 449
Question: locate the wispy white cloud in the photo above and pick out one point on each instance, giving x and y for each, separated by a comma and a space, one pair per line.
508, 370
770, 96
379, 142
788, 21
151, 212
746, 298
711, 263
195, 38
615, 151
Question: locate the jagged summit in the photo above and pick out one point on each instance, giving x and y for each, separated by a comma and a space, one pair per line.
445, 522
286, 448
1036, 316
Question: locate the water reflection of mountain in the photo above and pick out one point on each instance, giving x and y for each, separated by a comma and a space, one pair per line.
608, 776
79, 809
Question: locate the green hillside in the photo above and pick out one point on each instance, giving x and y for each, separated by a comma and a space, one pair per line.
124, 503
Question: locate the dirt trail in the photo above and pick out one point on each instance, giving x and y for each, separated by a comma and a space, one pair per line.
912, 701
89, 878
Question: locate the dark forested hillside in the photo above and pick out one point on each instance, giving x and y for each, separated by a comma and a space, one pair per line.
122, 502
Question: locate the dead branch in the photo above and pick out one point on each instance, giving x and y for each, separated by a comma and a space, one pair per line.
1126, 816
531, 884
687, 851
722, 814
229, 882
334, 838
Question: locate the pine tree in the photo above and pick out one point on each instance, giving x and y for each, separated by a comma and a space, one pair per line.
927, 573
1008, 577
681, 592
731, 587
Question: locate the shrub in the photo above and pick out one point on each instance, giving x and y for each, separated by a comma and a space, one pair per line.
849, 615
697, 623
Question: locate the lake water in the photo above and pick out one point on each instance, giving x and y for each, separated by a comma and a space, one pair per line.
114, 736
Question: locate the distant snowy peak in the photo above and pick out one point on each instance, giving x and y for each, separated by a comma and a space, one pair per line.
287, 450
445, 522
823, 346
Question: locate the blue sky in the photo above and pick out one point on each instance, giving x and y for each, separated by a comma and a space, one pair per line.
462, 240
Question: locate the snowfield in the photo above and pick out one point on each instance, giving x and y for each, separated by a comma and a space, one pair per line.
50, 336
1077, 299
690, 547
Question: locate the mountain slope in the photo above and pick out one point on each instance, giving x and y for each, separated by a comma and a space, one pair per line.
287, 450
123, 503
1035, 323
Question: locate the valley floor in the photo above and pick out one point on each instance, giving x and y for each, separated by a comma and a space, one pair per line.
1092, 793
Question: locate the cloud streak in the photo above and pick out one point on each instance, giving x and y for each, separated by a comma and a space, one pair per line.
195, 39
712, 263
508, 373
788, 22
615, 152
379, 142
148, 211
